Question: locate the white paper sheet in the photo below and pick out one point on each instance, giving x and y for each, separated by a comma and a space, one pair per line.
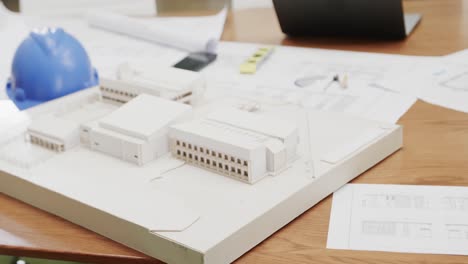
437, 80
459, 56
446, 85
445, 81
366, 96
400, 218
247, 4
68, 8
3, 12
185, 33
12, 32
11, 120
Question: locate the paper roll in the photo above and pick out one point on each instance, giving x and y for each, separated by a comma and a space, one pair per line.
150, 32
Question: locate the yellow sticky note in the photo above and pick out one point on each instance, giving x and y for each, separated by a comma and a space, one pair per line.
251, 65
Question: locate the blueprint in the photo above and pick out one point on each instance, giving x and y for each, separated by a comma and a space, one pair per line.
445, 83
400, 218
305, 77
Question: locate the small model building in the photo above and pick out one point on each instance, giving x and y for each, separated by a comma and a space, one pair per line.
169, 83
61, 131
54, 133
237, 144
137, 131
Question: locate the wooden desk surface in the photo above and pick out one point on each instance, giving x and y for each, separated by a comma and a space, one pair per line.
435, 153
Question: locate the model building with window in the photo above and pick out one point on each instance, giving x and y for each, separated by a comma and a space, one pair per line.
238, 144
59, 131
54, 133
166, 82
136, 132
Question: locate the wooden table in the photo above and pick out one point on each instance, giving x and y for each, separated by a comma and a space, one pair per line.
435, 153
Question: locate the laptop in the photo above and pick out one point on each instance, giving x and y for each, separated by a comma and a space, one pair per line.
371, 18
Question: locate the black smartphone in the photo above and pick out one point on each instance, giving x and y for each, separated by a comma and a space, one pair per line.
196, 61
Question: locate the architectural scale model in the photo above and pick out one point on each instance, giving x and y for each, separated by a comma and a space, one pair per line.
60, 131
170, 83
54, 133
237, 144
93, 156
137, 131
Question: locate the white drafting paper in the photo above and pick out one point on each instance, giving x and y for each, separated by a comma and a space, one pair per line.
12, 32
185, 33
366, 95
203, 27
400, 218
438, 80
459, 56
3, 13
3, 63
445, 82
11, 120
413, 80
66, 8
247, 4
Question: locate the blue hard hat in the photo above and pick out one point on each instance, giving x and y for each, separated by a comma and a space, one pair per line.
48, 64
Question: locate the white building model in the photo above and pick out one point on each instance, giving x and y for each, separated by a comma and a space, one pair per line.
136, 132
237, 144
167, 82
54, 133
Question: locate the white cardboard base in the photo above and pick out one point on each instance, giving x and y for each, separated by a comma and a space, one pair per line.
187, 214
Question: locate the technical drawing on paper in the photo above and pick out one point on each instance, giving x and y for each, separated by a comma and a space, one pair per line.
457, 231
342, 82
400, 218
458, 82
397, 229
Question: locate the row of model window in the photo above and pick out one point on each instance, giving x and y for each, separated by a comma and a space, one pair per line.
213, 153
123, 93
46, 144
226, 168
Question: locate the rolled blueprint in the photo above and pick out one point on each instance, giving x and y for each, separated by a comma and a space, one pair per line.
150, 32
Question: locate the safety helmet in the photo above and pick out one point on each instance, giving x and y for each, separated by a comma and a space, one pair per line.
48, 64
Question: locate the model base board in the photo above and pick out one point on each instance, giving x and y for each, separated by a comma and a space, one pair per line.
180, 213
